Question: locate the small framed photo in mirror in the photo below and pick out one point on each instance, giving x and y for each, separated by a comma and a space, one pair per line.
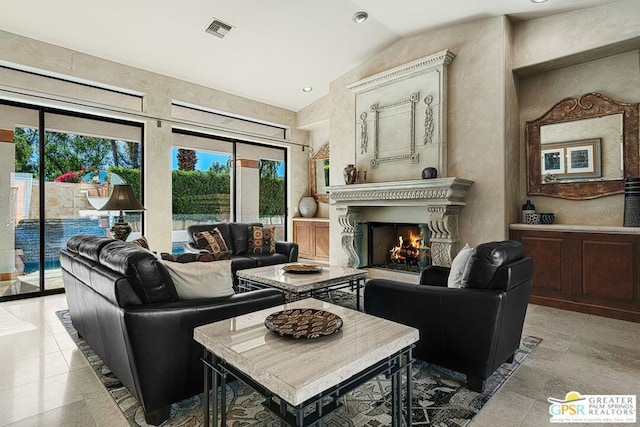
553, 161
571, 160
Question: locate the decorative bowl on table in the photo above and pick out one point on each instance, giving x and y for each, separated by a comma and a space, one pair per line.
302, 268
303, 323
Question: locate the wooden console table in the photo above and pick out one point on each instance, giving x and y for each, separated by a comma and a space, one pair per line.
590, 269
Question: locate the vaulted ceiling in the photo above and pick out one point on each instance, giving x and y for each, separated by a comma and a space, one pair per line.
274, 48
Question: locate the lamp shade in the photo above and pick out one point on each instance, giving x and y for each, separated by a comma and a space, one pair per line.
122, 199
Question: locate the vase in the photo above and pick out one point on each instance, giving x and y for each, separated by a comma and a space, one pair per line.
350, 174
631, 202
307, 207
529, 215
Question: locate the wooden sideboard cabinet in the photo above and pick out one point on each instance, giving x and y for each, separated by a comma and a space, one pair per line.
593, 270
312, 237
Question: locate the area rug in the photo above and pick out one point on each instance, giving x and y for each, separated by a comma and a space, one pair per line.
439, 396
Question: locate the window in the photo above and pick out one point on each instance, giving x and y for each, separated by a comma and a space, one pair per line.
222, 180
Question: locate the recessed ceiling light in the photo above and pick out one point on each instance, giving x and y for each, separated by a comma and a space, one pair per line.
360, 17
307, 89
538, 1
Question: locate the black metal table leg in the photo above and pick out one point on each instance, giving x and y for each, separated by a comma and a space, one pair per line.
207, 386
223, 399
214, 389
409, 389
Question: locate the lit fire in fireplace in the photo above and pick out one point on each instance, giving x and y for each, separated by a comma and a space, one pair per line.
410, 251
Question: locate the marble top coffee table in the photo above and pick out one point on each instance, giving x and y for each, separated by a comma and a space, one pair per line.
302, 379
296, 285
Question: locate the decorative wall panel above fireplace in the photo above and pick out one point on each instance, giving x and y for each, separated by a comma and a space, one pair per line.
401, 119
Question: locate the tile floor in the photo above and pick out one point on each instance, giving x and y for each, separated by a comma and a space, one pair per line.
45, 380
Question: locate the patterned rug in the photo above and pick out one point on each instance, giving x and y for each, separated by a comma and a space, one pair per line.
439, 396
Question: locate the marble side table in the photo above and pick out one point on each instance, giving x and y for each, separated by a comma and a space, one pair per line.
326, 368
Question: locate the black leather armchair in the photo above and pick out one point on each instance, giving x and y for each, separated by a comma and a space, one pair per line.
473, 329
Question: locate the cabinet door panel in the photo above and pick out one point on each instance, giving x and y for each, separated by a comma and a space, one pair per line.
322, 240
608, 271
551, 253
303, 236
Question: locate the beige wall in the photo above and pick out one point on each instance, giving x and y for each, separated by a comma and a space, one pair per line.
476, 116
159, 91
488, 104
617, 77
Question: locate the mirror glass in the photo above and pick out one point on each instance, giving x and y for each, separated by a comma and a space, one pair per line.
319, 174
322, 175
583, 148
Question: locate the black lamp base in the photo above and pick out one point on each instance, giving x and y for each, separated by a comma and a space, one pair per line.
121, 229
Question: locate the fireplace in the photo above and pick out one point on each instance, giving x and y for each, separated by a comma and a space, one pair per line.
398, 246
434, 201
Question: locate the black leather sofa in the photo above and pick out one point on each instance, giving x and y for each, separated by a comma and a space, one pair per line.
236, 237
473, 329
123, 302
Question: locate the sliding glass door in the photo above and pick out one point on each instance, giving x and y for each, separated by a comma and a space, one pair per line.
57, 171
83, 159
224, 180
19, 201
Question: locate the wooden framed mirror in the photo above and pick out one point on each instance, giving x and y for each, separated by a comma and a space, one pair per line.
583, 148
319, 174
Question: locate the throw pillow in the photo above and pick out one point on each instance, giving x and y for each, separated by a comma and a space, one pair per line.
194, 280
140, 241
457, 267
213, 242
262, 240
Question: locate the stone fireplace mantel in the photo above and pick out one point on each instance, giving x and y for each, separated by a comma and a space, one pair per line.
441, 198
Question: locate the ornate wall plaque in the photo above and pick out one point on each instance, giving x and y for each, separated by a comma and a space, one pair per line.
398, 107
411, 154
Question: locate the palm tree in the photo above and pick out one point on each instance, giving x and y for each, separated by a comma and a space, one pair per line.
187, 159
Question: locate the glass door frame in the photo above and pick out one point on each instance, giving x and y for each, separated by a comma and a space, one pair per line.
234, 187
42, 111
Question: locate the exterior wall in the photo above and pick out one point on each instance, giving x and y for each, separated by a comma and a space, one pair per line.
159, 91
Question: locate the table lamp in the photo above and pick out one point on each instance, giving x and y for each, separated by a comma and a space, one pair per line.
122, 199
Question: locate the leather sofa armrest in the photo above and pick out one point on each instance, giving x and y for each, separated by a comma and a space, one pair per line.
290, 249
434, 276
450, 320
151, 331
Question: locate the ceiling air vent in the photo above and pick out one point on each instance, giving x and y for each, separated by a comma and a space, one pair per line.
218, 28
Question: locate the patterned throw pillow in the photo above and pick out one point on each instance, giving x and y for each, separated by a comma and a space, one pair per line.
262, 240
140, 241
213, 242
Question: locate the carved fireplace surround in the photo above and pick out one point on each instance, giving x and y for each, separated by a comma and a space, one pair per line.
440, 197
